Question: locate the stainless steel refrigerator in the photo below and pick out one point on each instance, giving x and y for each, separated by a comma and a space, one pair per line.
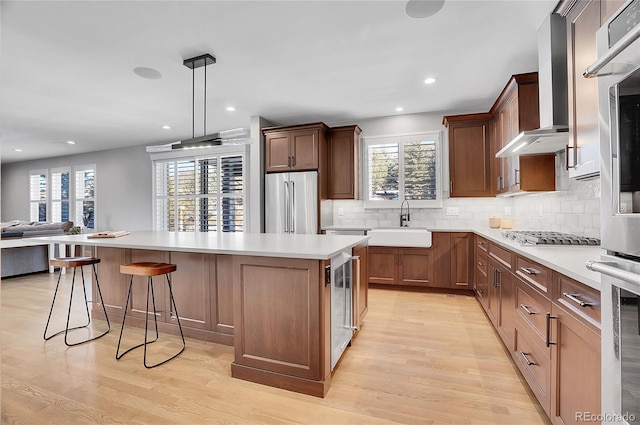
291, 202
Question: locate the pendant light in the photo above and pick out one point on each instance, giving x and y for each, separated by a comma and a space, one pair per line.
207, 140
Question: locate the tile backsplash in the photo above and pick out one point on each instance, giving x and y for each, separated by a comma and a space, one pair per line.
573, 208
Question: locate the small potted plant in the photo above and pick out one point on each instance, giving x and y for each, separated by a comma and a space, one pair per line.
86, 219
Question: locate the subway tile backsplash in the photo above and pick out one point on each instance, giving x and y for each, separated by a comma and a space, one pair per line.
573, 208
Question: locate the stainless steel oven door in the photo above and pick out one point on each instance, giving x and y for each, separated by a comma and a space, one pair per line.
618, 73
620, 294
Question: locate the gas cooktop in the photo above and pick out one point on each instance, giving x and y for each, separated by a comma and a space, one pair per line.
531, 237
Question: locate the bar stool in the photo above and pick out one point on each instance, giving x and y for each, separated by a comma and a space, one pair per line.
149, 270
76, 262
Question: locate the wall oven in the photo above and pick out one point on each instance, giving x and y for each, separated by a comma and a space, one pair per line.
618, 73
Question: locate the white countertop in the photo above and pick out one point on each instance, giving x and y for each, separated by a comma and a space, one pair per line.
20, 242
567, 260
314, 247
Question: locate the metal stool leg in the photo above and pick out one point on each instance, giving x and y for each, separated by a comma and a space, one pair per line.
86, 302
173, 303
124, 319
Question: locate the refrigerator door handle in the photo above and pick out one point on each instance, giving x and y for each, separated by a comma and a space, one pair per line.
292, 213
286, 206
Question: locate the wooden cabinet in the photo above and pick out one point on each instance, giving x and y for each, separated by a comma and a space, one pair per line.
361, 306
343, 162
461, 260
481, 272
583, 151
469, 164
475, 139
550, 324
400, 266
575, 365
298, 148
446, 264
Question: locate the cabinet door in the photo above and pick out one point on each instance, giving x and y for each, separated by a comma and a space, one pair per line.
575, 359
343, 163
441, 257
363, 294
191, 290
493, 301
583, 22
461, 256
304, 149
506, 327
469, 159
415, 267
383, 265
277, 152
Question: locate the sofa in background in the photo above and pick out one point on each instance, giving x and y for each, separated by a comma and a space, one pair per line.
28, 259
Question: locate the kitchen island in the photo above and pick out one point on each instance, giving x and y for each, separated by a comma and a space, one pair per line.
265, 294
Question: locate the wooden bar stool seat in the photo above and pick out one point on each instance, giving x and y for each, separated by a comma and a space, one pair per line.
149, 269
75, 262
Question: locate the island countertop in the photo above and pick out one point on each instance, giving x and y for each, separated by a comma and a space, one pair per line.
312, 247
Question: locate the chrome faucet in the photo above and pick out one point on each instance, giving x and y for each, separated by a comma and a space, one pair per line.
404, 217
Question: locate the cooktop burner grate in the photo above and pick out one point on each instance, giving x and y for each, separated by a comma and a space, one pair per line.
548, 238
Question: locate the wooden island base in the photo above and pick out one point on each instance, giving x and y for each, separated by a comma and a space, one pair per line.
276, 312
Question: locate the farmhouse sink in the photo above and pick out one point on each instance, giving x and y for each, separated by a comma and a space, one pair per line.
400, 236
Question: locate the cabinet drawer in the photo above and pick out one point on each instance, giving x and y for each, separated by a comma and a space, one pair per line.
533, 273
482, 244
533, 307
534, 361
501, 254
482, 266
579, 298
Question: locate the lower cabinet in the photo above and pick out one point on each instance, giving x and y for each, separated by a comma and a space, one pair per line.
400, 266
446, 264
554, 340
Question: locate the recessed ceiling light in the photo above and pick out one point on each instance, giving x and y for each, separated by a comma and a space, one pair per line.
430, 80
17, 150
399, 109
147, 73
230, 108
166, 127
70, 142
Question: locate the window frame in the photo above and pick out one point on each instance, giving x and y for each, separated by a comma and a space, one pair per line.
94, 199
401, 140
47, 199
70, 200
197, 155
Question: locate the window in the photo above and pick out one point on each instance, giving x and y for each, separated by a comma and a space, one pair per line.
38, 195
56, 196
203, 194
85, 196
60, 192
403, 167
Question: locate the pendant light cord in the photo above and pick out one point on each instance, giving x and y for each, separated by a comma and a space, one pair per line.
205, 99
193, 102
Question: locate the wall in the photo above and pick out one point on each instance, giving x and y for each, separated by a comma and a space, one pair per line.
123, 189
573, 208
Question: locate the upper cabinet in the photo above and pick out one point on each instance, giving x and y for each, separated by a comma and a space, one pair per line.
343, 159
469, 165
583, 20
475, 139
297, 148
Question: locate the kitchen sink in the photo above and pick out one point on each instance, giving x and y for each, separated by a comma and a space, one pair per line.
400, 236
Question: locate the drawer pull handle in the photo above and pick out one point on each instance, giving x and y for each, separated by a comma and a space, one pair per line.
526, 308
529, 270
526, 358
547, 340
575, 299
480, 264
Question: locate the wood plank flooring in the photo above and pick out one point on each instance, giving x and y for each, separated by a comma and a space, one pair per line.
421, 358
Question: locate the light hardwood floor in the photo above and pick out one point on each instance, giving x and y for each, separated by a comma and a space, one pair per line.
421, 358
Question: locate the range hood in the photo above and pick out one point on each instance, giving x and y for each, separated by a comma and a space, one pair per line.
553, 134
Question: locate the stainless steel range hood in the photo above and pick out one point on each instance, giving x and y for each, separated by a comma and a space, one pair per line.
553, 134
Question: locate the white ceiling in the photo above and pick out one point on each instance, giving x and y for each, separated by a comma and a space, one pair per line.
66, 68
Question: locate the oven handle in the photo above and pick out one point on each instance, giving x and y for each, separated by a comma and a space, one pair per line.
624, 42
611, 271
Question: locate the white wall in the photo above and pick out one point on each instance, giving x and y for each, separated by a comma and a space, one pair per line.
123, 189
